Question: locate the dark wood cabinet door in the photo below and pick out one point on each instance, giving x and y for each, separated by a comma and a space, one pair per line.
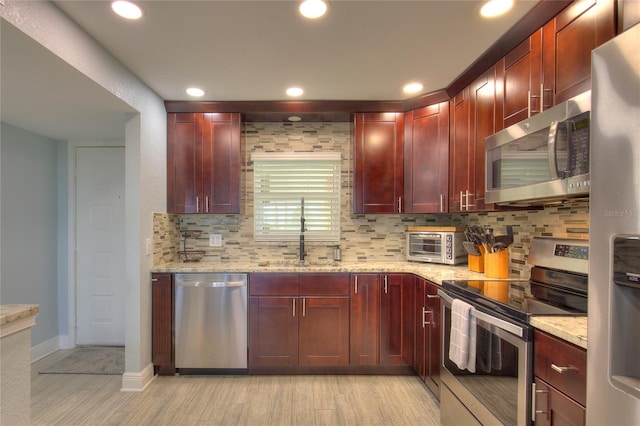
482, 115
421, 334
162, 323
520, 81
365, 319
433, 343
184, 165
426, 159
554, 408
324, 331
378, 162
568, 40
460, 152
273, 331
396, 319
221, 163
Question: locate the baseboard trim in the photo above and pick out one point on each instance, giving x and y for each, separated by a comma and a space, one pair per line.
137, 382
45, 348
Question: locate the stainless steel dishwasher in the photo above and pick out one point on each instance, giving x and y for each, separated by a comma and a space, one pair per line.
210, 321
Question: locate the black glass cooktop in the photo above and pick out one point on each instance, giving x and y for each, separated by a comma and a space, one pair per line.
513, 299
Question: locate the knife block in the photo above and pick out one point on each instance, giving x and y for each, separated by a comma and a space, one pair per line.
476, 263
496, 265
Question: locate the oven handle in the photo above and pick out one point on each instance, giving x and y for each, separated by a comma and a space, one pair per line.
502, 324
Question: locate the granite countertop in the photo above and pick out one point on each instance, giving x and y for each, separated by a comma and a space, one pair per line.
429, 271
570, 329
11, 313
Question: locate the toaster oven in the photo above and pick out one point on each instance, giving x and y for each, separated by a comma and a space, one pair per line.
436, 245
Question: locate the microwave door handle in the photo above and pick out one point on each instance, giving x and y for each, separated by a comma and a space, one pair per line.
551, 148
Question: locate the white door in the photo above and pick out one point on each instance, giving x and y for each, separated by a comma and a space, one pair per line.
100, 246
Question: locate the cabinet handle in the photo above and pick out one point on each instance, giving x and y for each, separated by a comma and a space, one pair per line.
355, 287
441, 203
561, 370
206, 204
461, 204
530, 96
294, 307
154, 280
385, 285
399, 204
535, 392
541, 97
432, 296
424, 317
467, 196
304, 306
197, 204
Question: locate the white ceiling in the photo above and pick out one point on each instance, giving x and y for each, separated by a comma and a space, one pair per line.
247, 50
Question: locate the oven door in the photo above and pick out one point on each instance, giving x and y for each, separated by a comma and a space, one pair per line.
499, 390
425, 246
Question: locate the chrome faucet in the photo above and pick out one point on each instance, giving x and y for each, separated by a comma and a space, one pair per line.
302, 253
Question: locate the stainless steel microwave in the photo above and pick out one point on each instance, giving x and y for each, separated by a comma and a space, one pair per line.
436, 247
543, 159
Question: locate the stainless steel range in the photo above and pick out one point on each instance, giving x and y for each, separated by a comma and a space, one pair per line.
495, 386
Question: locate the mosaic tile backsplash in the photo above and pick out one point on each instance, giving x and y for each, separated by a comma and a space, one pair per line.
363, 237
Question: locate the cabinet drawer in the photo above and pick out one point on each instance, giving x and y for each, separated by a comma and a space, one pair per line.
273, 284
328, 284
552, 354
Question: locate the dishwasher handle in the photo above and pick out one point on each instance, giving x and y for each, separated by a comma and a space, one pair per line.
216, 284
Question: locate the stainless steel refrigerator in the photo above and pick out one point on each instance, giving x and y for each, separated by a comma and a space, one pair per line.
613, 354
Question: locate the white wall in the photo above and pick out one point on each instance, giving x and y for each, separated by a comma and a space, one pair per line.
145, 160
29, 246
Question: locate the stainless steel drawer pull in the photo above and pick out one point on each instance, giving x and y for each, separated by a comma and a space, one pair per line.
386, 290
294, 307
432, 296
561, 369
304, 307
355, 287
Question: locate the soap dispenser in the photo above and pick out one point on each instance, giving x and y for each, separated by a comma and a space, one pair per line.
336, 253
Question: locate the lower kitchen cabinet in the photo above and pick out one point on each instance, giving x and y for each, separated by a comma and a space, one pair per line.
396, 319
427, 336
381, 319
298, 320
560, 381
162, 324
365, 319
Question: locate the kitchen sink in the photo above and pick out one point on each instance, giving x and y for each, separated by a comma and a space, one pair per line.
298, 263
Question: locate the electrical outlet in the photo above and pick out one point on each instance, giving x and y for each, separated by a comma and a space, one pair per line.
215, 240
147, 244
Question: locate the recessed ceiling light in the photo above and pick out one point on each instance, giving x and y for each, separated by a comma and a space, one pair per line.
294, 118
313, 9
126, 9
412, 88
294, 91
195, 92
494, 8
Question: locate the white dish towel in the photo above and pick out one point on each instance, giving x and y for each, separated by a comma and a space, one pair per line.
462, 342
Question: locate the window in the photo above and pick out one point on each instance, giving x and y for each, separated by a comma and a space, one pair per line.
282, 181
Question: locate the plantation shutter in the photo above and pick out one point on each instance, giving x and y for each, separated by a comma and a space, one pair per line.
282, 181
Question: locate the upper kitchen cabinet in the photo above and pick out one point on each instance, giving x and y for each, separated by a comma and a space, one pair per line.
473, 118
554, 63
378, 162
426, 159
203, 163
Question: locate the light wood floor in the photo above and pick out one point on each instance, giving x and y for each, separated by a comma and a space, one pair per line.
61, 399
